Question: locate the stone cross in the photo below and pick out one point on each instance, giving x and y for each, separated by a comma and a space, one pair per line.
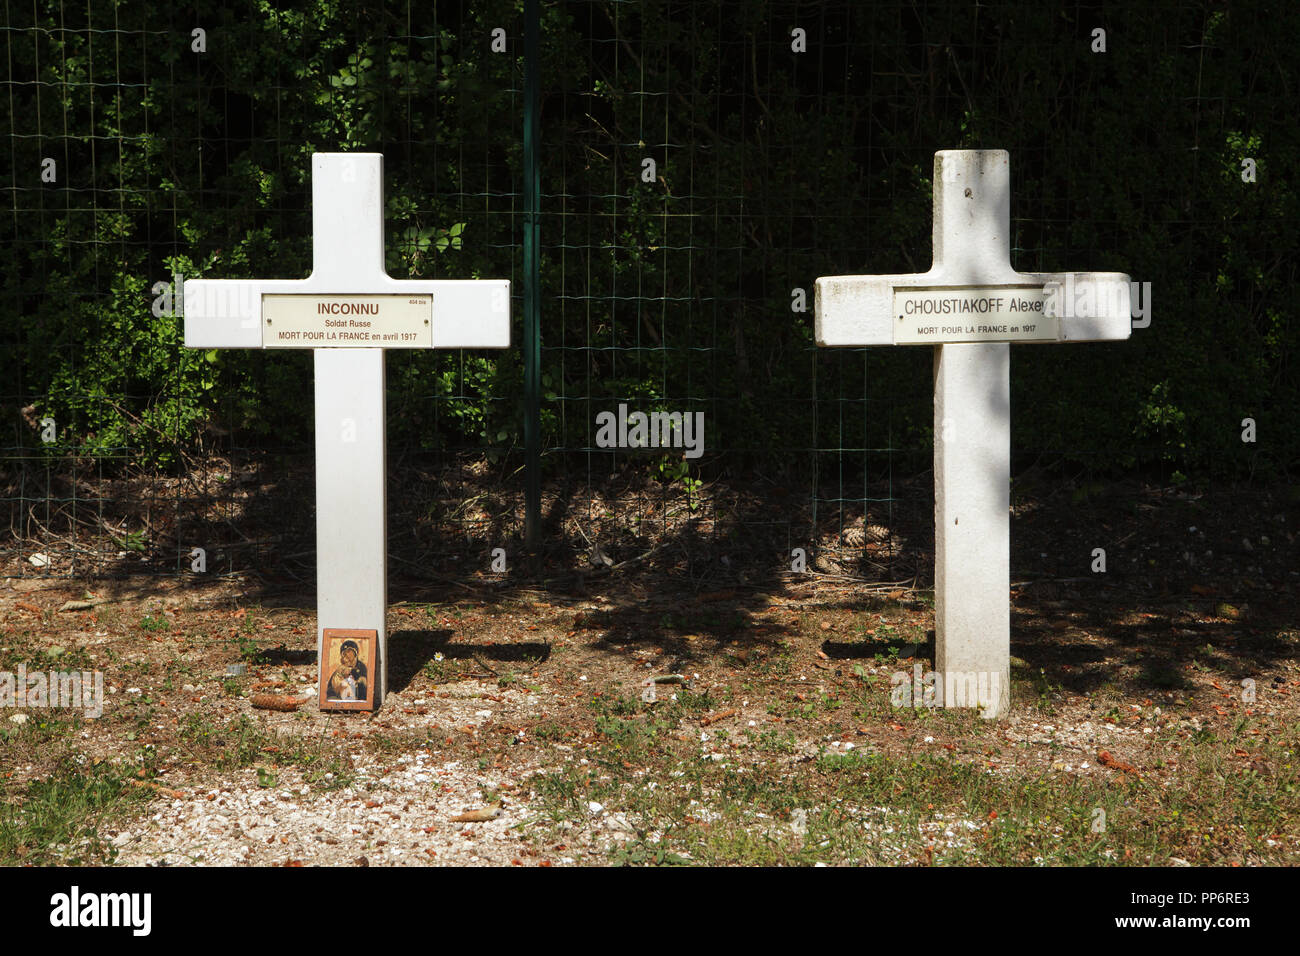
349, 311
970, 306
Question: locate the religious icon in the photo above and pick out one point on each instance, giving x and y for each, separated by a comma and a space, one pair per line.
347, 671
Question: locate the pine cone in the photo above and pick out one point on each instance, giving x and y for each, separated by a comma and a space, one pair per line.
826, 564
857, 535
276, 702
877, 532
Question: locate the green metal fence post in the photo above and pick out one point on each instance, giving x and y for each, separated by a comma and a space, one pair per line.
532, 300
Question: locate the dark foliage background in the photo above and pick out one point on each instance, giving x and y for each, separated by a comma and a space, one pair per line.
773, 167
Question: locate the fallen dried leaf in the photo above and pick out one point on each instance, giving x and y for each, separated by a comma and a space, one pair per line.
1106, 760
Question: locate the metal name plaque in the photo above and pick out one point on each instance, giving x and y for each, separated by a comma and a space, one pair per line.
347, 321
983, 314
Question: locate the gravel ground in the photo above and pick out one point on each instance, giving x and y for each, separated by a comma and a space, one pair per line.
396, 812
400, 812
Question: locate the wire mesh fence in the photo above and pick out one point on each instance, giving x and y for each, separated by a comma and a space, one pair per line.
147, 148
700, 165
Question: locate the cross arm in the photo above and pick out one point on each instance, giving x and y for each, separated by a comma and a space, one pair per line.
467, 313
863, 311
227, 313
1092, 306
856, 310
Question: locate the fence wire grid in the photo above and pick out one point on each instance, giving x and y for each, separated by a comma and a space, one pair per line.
699, 166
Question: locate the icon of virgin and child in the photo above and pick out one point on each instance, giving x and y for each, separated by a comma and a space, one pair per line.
350, 680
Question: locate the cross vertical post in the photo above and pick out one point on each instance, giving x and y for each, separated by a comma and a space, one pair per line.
972, 428
351, 491
349, 311
970, 306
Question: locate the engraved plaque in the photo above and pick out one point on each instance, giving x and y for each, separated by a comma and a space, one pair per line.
347, 321
984, 314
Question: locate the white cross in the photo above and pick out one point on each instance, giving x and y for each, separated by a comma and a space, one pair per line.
970, 305
348, 286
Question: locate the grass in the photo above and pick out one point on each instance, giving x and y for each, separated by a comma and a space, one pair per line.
34, 658
814, 765
762, 805
242, 743
857, 808
445, 670
154, 624
57, 820
249, 650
